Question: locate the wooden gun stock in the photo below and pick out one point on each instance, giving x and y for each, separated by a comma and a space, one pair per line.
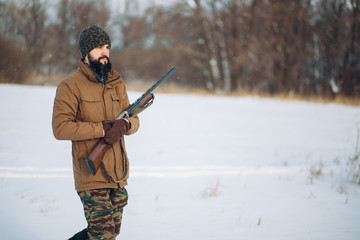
95, 158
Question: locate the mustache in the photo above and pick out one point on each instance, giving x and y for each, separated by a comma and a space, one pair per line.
105, 57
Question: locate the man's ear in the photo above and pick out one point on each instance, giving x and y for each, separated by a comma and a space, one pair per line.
86, 59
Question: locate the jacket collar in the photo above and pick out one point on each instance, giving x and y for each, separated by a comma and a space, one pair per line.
112, 76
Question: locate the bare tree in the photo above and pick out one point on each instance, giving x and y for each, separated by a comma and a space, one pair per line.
302, 46
351, 72
33, 16
206, 33
73, 16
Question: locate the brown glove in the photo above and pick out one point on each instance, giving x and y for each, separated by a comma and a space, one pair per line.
115, 130
107, 125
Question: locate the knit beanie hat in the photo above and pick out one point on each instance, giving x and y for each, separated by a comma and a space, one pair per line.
92, 37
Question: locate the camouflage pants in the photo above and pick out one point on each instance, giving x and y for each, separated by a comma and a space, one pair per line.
103, 211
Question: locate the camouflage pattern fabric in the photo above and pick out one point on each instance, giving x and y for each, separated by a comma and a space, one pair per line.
103, 211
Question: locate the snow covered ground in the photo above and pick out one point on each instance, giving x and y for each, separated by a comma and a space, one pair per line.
202, 168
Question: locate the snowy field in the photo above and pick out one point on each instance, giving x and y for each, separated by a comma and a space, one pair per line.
202, 168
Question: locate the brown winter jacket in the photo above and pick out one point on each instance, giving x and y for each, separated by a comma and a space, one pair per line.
82, 102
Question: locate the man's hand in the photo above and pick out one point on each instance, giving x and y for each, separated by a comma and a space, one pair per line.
115, 130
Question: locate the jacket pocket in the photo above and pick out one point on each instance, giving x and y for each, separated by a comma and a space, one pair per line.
91, 109
116, 105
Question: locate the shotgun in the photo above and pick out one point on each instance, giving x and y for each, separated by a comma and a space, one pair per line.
145, 100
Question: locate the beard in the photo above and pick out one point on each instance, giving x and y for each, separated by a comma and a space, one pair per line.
100, 68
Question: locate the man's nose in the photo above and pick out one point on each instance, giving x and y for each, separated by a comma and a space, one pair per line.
105, 52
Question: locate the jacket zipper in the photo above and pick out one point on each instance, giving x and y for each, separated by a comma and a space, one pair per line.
103, 96
113, 151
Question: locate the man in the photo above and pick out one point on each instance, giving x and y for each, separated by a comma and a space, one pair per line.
85, 105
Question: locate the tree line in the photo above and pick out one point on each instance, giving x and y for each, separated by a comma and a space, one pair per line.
305, 47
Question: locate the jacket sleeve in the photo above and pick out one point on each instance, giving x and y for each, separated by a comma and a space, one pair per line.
135, 124
64, 123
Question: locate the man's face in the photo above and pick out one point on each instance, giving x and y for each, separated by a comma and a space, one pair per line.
99, 59
100, 54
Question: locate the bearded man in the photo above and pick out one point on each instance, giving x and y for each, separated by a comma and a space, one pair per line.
85, 105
